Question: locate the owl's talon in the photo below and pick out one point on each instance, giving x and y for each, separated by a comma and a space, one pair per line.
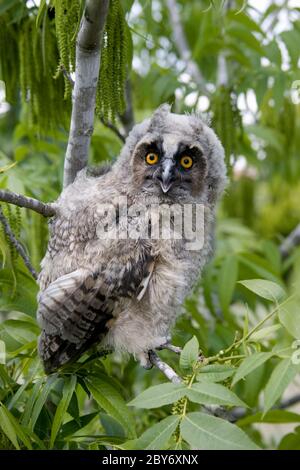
170, 347
145, 361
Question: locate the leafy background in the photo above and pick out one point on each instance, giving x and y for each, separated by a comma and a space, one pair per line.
244, 313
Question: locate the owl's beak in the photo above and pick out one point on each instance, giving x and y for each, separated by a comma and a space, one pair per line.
167, 178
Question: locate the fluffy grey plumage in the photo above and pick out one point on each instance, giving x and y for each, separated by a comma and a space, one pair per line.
126, 293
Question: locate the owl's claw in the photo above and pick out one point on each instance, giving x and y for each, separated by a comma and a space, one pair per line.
170, 347
145, 361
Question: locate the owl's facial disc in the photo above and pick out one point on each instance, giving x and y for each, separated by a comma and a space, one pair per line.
169, 166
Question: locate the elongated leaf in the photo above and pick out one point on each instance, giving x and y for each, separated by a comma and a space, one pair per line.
189, 354
213, 394
227, 280
12, 428
215, 373
38, 405
290, 318
68, 390
207, 432
291, 441
280, 378
263, 333
16, 397
112, 402
250, 364
71, 427
156, 437
8, 428
159, 395
266, 289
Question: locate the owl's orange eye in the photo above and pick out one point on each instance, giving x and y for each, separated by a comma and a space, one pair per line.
186, 162
151, 158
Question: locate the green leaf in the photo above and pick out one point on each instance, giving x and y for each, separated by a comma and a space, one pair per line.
7, 427
112, 402
213, 394
189, 354
280, 378
68, 390
12, 428
266, 289
291, 38
250, 364
41, 399
242, 34
156, 437
159, 395
206, 432
41, 12
71, 427
263, 333
272, 416
290, 318
215, 373
227, 280
291, 441
245, 20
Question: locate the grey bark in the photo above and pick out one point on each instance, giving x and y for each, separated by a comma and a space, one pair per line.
47, 210
88, 52
164, 368
291, 241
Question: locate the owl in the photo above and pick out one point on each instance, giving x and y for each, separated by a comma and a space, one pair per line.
110, 276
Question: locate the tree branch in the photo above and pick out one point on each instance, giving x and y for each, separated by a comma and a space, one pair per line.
183, 48
47, 210
164, 368
113, 128
127, 118
9, 233
88, 52
291, 241
239, 413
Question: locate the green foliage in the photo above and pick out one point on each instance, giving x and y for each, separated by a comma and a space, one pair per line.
115, 61
67, 19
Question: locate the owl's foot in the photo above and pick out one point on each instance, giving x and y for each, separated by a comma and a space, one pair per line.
164, 368
145, 361
170, 347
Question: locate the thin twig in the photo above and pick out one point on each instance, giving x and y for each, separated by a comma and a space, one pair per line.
291, 241
113, 128
47, 210
164, 368
289, 402
127, 118
183, 48
67, 75
88, 52
9, 233
239, 413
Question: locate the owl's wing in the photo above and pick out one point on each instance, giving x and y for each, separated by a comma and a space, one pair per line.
75, 309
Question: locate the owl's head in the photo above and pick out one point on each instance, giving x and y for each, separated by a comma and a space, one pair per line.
174, 156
